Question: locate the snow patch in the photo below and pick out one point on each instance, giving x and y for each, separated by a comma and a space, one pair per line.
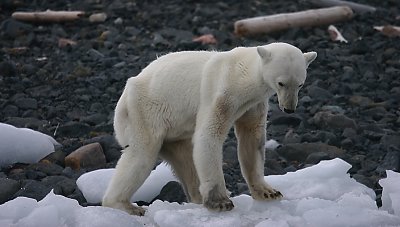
23, 145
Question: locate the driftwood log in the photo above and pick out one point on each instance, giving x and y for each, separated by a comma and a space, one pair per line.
308, 18
356, 7
48, 16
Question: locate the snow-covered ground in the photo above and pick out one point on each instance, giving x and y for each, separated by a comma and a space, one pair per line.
321, 195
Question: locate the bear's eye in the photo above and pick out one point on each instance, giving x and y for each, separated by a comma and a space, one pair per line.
301, 85
281, 84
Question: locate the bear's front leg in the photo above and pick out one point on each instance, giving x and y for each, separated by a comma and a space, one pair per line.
250, 132
208, 139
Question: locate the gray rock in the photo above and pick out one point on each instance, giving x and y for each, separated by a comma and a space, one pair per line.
22, 122
33, 189
172, 192
94, 119
8, 68
230, 155
14, 28
390, 140
333, 109
318, 93
8, 188
49, 169
10, 111
349, 133
95, 54
286, 119
335, 121
74, 129
315, 158
56, 157
272, 167
291, 137
364, 180
300, 151
391, 161
26, 103
61, 184
111, 148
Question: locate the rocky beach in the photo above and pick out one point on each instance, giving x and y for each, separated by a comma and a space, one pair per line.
64, 79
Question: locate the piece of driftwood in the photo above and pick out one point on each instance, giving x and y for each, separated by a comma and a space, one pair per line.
335, 34
48, 16
277, 22
356, 7
389, 30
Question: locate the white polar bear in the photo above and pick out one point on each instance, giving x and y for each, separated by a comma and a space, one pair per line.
181, 107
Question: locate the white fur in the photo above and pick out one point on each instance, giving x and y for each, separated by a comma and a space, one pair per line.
181, 107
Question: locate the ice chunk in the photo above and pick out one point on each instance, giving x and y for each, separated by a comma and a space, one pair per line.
391, 192
350, 205
147, 192
327, 180
23, 145
17, 208
102, 217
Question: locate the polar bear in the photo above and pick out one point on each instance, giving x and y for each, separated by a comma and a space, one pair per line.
181, 107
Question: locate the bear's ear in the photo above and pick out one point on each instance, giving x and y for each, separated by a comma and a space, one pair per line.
265, 55
310, 57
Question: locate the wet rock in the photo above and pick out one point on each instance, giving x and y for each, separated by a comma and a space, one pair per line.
8, 68
10, 110
360, 100
26, 103
300, 151
391, 161
390, 140
8, 188
243, 188
56, 157
172, 192
74, 129
33, 189
50, 169
364, 180
94, 119
292, 120
90, 156
333, 109
61, 185
111, 148
291, 137
272, 167
318, 93
230, 154
13, 28
315, 158
349, 133
335, 121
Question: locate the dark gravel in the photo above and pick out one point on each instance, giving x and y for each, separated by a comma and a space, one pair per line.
348, 108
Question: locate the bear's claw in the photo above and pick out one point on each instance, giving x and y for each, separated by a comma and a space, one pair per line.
223, 204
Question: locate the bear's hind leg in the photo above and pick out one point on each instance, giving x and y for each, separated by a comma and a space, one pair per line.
131, 171
180, 156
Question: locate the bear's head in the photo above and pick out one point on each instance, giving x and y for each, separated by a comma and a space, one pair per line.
284, 69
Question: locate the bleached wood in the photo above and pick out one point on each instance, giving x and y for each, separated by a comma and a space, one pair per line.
48, 16
356, 7
277, 22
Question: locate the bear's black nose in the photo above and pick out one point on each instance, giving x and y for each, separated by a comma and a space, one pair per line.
288, 111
